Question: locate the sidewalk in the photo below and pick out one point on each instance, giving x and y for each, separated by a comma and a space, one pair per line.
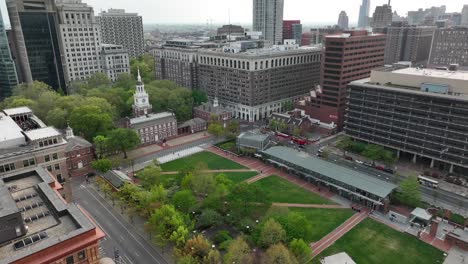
324, 206
208, 171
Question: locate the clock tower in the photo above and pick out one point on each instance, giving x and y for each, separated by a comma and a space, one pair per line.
141, 105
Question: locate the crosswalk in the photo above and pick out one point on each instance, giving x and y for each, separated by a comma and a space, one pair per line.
179, 154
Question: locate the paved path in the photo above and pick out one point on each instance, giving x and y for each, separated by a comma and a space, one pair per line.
257, 178
326, 206
329, 239
214, 171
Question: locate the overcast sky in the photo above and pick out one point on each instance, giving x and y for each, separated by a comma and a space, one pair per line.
199, 11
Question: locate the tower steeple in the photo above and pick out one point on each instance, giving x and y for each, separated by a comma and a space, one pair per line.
69, 132
141, 105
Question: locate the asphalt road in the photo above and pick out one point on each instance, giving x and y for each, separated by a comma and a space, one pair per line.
120, 235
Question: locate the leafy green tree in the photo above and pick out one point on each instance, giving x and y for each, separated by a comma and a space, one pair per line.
199, 97
179, 236
282, 126
221, 236
209, 218
409, 193
187, 260
238, 252
57, 117
149, 177
184, 201
18, 101
373, 152
90, 121
214, 257
126, 81
279, 254
215, 129
288, 106
272, 233
99, 79
345, 143
388, 157
232, 129
102, 165
129, 193
101, 144
300, 250
123, 139
273, 124
297, 226
203, 184
151, 199
197, 247
31, 91
296, 132
165, 222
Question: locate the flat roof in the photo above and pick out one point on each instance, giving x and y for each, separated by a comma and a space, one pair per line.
42, 133
340, 258
10, 130
18, 111
459, 234
345, 175
33, 191
421, 213
456, 75
253, 136
150, 117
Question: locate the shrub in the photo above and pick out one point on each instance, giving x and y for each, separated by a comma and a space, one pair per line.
222, 236
209, 218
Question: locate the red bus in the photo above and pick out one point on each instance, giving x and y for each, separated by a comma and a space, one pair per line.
299, 141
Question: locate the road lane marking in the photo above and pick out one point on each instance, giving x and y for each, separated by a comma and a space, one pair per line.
130, 233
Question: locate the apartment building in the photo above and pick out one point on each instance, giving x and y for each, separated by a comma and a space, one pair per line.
115, 61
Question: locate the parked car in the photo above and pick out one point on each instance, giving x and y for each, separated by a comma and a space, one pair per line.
382, 168
348, 158
388, 170
368, 164
359, 161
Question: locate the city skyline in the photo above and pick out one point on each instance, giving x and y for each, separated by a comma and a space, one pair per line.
218, 11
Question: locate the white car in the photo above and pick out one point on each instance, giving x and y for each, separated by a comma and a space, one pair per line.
359, 161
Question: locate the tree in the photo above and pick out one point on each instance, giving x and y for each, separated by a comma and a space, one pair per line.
209, 218
214, 257
98, 79
215, 129
197, 247
123, 139
151, 199
101, 144
388, 157
101, 165
373, 152
233, 129
238, 252
409, 193
149, 177
272, 233
203, 184
57, 117
167, 225
296, 132
279, 254
345, 143
183, 201
90, 121
288, 106
300, 250
199, 97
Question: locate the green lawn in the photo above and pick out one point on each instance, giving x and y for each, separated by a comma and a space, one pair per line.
323, 221
279, 190
213, 161
371, 242
237, 177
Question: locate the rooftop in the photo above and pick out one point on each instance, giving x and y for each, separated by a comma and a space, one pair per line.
341, 174
116, 178
455, 75
18, 111
150, 118
273, 51
50, 220
10, 131
459, 234
257, 137
340, 258
42, 133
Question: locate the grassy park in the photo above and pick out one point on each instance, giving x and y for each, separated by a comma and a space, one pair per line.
375, 243
278, 190
212, 161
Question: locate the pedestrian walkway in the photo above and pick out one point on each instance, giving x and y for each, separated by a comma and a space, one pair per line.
324, 206
257, 178
329, 239
179, 154
208, 171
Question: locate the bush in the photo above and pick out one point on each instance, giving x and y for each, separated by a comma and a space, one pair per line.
225, 245
209, 218
222, 236
228, 145
458, 219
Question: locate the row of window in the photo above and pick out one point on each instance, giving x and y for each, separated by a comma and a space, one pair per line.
48, 142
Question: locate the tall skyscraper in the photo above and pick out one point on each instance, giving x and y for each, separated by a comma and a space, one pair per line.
120, 28
382, 16
288, 28
8, 77
464, 14
364, 11
80, 39
449, 46
343, 20
348, 57
35, 33
268, 18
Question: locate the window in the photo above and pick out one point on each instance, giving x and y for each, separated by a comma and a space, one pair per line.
61, 180
70, 260
81, 255
54, 156
49, 168
57, 166
7, 167
47, 158
29, 162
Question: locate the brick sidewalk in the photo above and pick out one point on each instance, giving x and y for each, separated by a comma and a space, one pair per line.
324, 206
208, 171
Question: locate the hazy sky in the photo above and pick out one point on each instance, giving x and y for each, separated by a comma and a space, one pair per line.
199, 11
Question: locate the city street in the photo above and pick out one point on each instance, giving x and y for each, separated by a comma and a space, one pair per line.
120, 235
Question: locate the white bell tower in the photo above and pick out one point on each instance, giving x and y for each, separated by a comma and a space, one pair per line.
141, 105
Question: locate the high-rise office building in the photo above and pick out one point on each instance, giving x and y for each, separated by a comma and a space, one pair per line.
424, 17
115, 61
364, 11
343, 20
419, 113
347, 57
81, 39
407, 43
120, 28
8, 77
34, 29
449, 46
268, 19
382, 16
253, 83
297, 33
464, 16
